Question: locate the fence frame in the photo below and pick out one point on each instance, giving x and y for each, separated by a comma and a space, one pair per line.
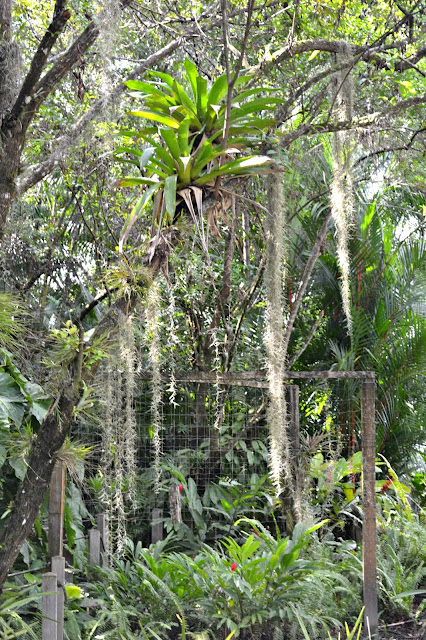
367, 379
256, 379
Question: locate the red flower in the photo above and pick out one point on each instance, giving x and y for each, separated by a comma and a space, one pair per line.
180, 487
256, 532
233, 566
386, 486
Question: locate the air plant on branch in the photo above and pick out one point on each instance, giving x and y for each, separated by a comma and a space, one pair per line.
185, 154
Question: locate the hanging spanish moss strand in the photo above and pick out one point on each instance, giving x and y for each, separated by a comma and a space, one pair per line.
274, 334
153, 335
113, 451
108, 21
341, 198
107, 459
172, 342
128, 361
119, 437
218, 391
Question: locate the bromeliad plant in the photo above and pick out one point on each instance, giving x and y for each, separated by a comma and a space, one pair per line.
185, 153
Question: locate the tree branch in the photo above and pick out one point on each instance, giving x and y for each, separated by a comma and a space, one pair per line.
304, 280
67, 60
404, 147
307, 342
367, 52
33, 174
354, 123
25, 105
403, 65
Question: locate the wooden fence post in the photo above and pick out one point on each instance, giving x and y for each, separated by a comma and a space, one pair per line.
369, 502
56, 510
58, 567
102, 524
156, 527
175, 504
49, 623
94, 548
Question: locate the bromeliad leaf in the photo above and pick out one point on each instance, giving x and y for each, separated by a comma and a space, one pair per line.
12, 401
157, 117
145, 157
182, 154
236, 167
137, 211
134, 182
170, 195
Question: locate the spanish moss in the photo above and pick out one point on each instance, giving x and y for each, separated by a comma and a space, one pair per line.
341, 198
274, 333
153, 338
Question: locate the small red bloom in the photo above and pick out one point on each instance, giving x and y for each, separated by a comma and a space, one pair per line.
386, 486
233, 566
256, 533
180, 487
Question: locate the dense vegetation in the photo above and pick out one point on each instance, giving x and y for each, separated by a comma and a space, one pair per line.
191, 193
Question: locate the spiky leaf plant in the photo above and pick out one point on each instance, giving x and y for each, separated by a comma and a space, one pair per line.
11, 321
185, 153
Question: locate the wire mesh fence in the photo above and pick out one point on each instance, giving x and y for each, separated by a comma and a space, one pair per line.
216, 435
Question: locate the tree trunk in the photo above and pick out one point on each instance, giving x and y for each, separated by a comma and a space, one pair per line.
30, 496
9, 166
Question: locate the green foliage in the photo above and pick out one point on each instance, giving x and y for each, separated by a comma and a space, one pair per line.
23, 406
67, 343
350, 635
13, 605
188, 154
250, 579
12, 316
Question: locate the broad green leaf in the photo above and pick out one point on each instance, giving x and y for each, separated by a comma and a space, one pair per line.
162, 153
164, 106
3, 454
156, 117
273, 560
19, 466
186, 101
159, 168
137, 211
134, 182
201, 96
38, 401
205, 155
164, 76
238, 167
261, 104
145, 157
183, 136
147, 87
169, 138
218, 90
142, 133
73, 591
192, 74
170, 194
12, 401
130, 150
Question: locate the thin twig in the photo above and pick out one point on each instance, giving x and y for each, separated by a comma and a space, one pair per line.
311, 334
304, 281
